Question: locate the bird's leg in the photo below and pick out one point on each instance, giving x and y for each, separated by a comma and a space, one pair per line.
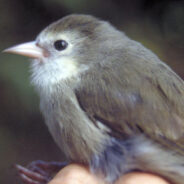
39, 172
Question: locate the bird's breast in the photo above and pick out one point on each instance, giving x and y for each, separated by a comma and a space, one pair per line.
70, 127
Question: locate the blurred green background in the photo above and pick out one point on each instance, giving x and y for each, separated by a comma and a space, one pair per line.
158, 24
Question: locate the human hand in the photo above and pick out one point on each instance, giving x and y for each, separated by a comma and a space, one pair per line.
78, 174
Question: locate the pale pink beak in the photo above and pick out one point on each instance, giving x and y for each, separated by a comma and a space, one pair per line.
29, 49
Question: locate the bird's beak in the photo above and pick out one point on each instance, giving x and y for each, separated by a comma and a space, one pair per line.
29, 49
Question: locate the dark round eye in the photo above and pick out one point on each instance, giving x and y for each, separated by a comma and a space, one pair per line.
60, 45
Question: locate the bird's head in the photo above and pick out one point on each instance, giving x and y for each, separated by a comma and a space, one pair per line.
67, 48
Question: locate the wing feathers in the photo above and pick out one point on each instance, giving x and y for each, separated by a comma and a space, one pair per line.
129, 100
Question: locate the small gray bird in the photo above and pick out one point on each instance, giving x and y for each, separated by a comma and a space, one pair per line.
108, 102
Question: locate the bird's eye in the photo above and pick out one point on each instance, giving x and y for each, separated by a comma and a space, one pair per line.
60, 45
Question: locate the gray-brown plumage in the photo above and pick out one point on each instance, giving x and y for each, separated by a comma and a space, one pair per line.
108, 101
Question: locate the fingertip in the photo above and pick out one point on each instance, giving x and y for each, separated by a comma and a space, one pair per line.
75, 174
139, 177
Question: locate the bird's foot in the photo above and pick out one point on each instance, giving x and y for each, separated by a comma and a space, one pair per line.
39, 172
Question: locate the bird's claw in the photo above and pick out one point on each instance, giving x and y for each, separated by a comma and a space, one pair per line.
31, 177
38, 172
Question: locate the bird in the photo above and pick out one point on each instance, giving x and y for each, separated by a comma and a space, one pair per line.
109, 102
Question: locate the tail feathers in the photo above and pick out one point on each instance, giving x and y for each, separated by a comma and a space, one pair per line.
138, 153
152, 157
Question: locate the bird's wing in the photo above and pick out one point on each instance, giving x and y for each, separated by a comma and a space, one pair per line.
135, 96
